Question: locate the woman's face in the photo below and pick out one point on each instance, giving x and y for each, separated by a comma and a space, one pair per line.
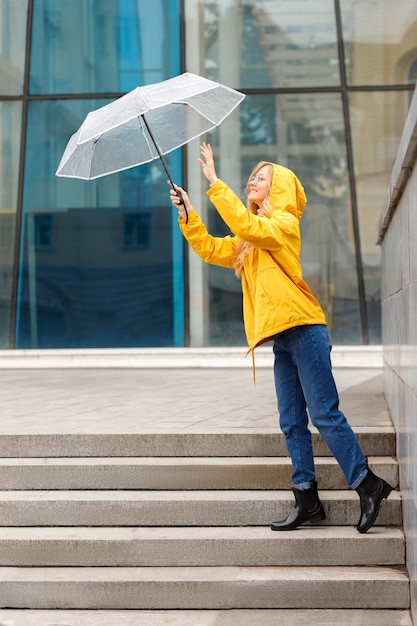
259, 184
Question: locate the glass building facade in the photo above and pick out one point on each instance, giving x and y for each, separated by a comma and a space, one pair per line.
102, 263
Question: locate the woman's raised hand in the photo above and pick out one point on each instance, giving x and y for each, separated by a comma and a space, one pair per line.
207, 162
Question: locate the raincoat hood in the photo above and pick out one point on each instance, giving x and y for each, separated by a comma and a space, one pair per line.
287, 193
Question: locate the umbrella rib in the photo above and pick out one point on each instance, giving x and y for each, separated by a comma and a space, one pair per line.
94, 149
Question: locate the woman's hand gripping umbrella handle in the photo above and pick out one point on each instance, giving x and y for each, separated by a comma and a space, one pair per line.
180, 200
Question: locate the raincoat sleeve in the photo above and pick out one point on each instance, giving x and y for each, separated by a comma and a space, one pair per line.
214, 250
267, 233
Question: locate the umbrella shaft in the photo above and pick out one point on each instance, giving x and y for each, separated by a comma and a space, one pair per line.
162, 160
156, 147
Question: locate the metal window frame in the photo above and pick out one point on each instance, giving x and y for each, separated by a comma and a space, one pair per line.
343, 90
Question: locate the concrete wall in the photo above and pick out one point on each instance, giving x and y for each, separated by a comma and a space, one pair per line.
397, 235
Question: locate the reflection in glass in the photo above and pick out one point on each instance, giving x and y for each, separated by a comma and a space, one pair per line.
10, 130
380, 41
13, 21
87, 245
101, 258
279, 44
84, 46
377, 122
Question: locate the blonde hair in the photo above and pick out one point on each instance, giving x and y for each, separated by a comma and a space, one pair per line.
244, 248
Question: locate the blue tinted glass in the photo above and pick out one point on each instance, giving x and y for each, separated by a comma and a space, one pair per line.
379, 41
101, 261
13, 23
91, 46
10, 133
271, 43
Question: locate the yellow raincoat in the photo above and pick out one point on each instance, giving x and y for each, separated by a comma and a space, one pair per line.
275, 297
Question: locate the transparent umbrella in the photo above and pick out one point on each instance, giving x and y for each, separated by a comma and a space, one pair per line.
145, 124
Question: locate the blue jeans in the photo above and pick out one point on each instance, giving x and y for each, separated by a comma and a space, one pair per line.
304, 381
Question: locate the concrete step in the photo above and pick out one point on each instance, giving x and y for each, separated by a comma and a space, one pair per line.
167, 473
196, 547
178, 508
375, 441
247, 617
202, 587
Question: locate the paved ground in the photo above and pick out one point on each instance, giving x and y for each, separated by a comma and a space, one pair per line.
253, 617
105, 400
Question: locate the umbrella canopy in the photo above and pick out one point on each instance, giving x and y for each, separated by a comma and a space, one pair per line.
145, 124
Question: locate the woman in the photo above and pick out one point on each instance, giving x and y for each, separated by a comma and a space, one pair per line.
278, 306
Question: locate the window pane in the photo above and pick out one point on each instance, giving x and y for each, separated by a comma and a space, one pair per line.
380, 41
101, 258
275, 43
306, 133
84, 46
377, 122
10, 129
13, 20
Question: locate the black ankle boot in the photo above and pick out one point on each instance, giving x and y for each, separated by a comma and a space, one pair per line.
371, 492
308, 508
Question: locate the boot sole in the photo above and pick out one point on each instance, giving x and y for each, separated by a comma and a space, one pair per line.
317, 517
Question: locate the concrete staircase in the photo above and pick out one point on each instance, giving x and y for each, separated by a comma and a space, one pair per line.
167, 528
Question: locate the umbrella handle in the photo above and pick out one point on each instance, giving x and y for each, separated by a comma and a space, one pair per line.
176, 191
164, 165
